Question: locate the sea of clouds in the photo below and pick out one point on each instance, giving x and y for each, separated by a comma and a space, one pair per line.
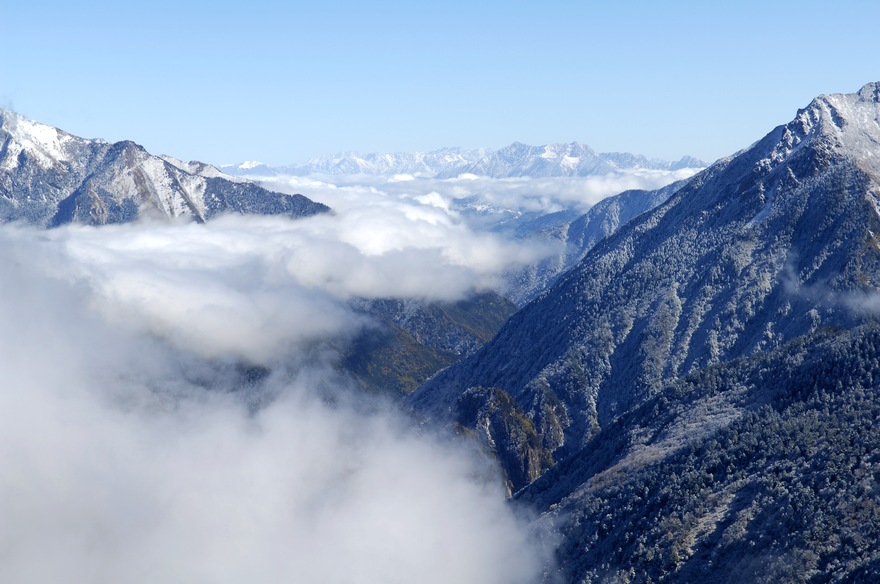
170, 410
135, 446
520, 194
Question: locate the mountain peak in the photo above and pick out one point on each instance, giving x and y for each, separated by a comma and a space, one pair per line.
514, 160
836, 112
870, 92
752, 252
46, 144
847, 124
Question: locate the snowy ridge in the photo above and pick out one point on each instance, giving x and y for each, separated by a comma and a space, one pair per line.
49, 177
851, 122
200, 168
687, 366
45, 144
843, 121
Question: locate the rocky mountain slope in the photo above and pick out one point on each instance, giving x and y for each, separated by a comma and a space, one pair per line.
49, 177
412, 339
758, 249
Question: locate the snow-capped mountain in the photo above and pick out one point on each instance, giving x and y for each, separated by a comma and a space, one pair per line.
686, 392
515, 160
770, 244
637, 161
352, 163
49, 177
574, 159
414, 163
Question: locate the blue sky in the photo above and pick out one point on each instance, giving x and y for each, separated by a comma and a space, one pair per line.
281, 82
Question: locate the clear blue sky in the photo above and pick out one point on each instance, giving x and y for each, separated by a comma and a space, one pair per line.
282, 81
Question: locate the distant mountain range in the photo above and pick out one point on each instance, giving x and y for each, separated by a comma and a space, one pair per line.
49, 177
574, 231
515, 160
675, 402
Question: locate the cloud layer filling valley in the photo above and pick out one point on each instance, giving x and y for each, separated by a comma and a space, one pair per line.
128, 453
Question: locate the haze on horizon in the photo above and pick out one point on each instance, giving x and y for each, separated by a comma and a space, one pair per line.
282, 83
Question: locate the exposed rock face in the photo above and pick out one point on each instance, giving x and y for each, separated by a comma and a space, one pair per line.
413, 339
511, 436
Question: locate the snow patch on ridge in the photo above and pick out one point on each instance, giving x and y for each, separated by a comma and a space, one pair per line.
850, 121
46, 144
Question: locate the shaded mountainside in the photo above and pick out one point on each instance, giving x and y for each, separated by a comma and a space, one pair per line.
49, 177
573, 159
764, 469
413, 339
754, 251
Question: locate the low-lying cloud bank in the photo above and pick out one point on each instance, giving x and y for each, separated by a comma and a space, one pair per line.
525, 194
165, 416
259, 287
130, 448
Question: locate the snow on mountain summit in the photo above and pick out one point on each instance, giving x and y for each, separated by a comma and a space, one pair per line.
49, 177
851, 121
47, 145
649, 383
844, 122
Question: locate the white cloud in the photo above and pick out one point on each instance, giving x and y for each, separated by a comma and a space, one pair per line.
250, 286
129, 455
133, 449
525, 194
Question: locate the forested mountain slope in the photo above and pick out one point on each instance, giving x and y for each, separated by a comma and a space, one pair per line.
763, 469
756, 250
